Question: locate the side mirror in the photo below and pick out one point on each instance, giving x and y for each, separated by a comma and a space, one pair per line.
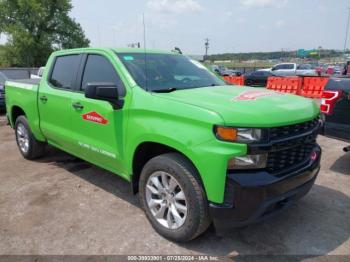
104, 91
273, 68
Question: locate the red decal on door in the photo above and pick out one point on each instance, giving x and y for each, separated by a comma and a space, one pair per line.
254, 95
95, 117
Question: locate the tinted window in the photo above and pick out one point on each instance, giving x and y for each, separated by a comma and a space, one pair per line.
288, 66
278, 67
64, 71
99, 69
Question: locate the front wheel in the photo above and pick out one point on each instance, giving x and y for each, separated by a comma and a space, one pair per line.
172, 197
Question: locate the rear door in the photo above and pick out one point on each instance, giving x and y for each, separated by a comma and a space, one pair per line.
54, 100
96, 126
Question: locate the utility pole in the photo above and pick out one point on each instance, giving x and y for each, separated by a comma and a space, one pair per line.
206, 44
347, 32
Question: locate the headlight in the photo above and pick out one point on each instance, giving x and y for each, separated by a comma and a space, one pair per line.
248, 162
241, 135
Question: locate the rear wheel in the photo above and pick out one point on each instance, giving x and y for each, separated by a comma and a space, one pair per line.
173, 198
29, 147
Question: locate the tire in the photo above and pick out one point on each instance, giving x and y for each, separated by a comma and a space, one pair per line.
195, 220
29, 147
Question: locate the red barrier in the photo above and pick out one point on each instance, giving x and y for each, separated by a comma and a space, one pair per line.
313, 86
235, 80
291, 85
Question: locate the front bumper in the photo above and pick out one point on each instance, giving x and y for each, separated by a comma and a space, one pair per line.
253, 197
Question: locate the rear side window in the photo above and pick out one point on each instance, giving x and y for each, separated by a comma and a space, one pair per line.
99, 69
288, 66
64, 71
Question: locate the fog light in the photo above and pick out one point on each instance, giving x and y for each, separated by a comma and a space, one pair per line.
248, 162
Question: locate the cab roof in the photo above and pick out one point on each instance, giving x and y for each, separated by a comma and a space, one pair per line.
116, 50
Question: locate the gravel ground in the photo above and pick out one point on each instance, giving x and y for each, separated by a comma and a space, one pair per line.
62, 205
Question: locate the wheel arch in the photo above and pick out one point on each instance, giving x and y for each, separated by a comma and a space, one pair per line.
16, 111
147, 150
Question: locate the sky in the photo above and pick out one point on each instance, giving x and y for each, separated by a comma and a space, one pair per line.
231, 25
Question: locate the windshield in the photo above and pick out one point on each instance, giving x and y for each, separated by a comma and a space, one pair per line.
167, 71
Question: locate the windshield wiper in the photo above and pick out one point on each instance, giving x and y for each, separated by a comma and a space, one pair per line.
168, 90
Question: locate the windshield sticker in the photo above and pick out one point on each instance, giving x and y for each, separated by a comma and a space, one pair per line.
128, 58
95, 117
254, 95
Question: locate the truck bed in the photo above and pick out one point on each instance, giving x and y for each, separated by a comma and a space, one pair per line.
23, 94
23, 82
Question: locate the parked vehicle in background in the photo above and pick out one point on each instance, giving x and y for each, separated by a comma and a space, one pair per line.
257, 78
197, 150
330, 70
335, 107
337, 70
293, 69
3, 79
224, 71
39, 74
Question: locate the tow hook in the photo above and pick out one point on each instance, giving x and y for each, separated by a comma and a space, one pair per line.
346, 149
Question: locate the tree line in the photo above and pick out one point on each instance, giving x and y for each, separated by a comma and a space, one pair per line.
36, 28
269, 55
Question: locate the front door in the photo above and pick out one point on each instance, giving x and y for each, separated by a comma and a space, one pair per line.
96, 126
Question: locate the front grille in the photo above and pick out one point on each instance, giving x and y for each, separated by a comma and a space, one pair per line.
284, 159
276, 133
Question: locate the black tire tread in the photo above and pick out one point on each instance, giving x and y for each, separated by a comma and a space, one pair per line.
191, 173
198, 187
36, 148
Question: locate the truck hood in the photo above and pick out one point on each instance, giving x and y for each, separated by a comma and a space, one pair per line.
248, 107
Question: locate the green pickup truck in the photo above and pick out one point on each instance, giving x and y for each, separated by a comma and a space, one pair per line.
198, 151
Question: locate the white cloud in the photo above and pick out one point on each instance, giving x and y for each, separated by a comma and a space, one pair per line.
263, 3
174, 6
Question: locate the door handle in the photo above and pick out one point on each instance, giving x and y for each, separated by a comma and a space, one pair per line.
78, 106
43, 99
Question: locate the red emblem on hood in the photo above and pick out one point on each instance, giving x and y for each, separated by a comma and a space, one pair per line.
254, 95
95, 117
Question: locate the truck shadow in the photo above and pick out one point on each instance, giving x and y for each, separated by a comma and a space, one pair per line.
342, 165
316, 225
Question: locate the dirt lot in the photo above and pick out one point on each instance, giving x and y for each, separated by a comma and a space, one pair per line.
61, 205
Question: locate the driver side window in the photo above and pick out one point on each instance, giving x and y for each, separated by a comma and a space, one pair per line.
98, 69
